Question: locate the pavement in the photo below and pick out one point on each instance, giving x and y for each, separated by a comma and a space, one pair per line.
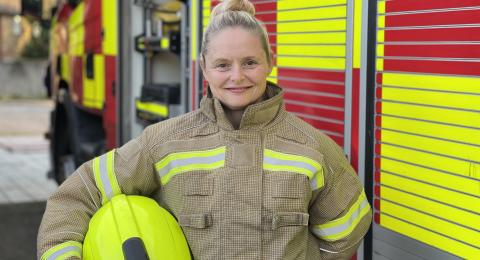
24, 163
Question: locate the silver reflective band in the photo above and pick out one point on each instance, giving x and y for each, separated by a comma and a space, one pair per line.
190, 161
282, 162
314, 182
342, 227
63, 251
104, 176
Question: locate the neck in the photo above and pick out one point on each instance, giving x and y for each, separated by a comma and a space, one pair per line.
234, 116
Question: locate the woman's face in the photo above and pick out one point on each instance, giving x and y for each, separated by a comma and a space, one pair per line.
236, 68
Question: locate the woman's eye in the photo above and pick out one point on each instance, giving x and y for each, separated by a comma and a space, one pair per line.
222, 66
250, 63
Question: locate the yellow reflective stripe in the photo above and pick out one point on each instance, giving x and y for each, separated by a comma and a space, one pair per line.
277, 161
313, 26
457, 229
313, 13
109, 21
380, 34
425, 190
76, 30
94, 89
427, 144
206, 5
285, 5
450, 132
435, 177
453, 230
433, 82
63, 251
318, 50
312, 38
343, 226
65, 67
194, 30
165, 43
431, 238
425, 97
437, 115
430, 160
153, 108
181, 162
357, 33
99, 79
311, 63
105, 179
273, 76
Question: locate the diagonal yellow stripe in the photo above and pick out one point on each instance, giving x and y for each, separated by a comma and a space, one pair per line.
98, 180
111, 172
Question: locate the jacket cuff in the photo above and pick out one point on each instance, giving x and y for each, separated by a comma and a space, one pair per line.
64, 251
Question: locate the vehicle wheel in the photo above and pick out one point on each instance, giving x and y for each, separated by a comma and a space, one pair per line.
62, 141
77, 136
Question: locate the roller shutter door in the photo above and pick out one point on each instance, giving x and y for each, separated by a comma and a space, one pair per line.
427, 129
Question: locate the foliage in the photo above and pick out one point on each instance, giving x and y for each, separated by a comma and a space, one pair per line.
38, 46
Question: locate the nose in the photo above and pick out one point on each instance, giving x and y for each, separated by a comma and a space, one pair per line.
236, 74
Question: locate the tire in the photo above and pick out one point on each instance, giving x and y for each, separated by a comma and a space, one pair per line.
77, 136
62, 140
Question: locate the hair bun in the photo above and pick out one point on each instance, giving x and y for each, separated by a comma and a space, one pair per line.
234, 5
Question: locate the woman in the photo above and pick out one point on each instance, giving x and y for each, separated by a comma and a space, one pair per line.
244, 178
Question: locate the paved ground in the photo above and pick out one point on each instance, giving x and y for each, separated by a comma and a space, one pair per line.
24, 117
24, 163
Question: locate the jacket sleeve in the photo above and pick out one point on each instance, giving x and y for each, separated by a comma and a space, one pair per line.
70, 208
340, 214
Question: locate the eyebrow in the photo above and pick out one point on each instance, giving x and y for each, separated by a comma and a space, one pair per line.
220, 60
227, 60
250, 57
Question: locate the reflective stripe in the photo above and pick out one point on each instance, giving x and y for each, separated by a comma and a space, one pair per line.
276, 161
63, 251
105, 179
152, 108
165, 43
176, 163
343, 226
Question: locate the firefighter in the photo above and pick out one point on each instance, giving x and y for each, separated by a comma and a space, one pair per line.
244, 178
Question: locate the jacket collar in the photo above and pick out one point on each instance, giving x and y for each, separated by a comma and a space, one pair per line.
255, 116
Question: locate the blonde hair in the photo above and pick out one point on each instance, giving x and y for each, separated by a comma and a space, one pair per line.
235, 13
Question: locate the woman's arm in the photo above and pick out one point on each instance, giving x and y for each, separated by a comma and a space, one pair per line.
71, 207
340, 214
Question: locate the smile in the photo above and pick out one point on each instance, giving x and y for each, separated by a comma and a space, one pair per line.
237, 90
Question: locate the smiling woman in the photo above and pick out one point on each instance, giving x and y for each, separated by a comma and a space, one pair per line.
244, 178
236, 58
237, 70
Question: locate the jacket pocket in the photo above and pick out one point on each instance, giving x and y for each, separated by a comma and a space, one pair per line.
198, 192
285, 219
286, 192
198, 221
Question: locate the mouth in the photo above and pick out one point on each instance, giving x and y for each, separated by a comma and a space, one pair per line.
238, 90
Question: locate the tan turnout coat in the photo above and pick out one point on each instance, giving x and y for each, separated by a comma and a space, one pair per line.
276, 188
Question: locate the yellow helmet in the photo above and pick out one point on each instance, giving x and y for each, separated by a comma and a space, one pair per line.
134, 227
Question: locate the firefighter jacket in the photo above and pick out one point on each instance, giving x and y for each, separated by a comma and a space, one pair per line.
276, 188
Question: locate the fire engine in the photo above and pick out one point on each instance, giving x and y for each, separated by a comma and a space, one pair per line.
395, 83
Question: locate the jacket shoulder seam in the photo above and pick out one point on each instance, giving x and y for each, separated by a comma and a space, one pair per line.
304, 132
